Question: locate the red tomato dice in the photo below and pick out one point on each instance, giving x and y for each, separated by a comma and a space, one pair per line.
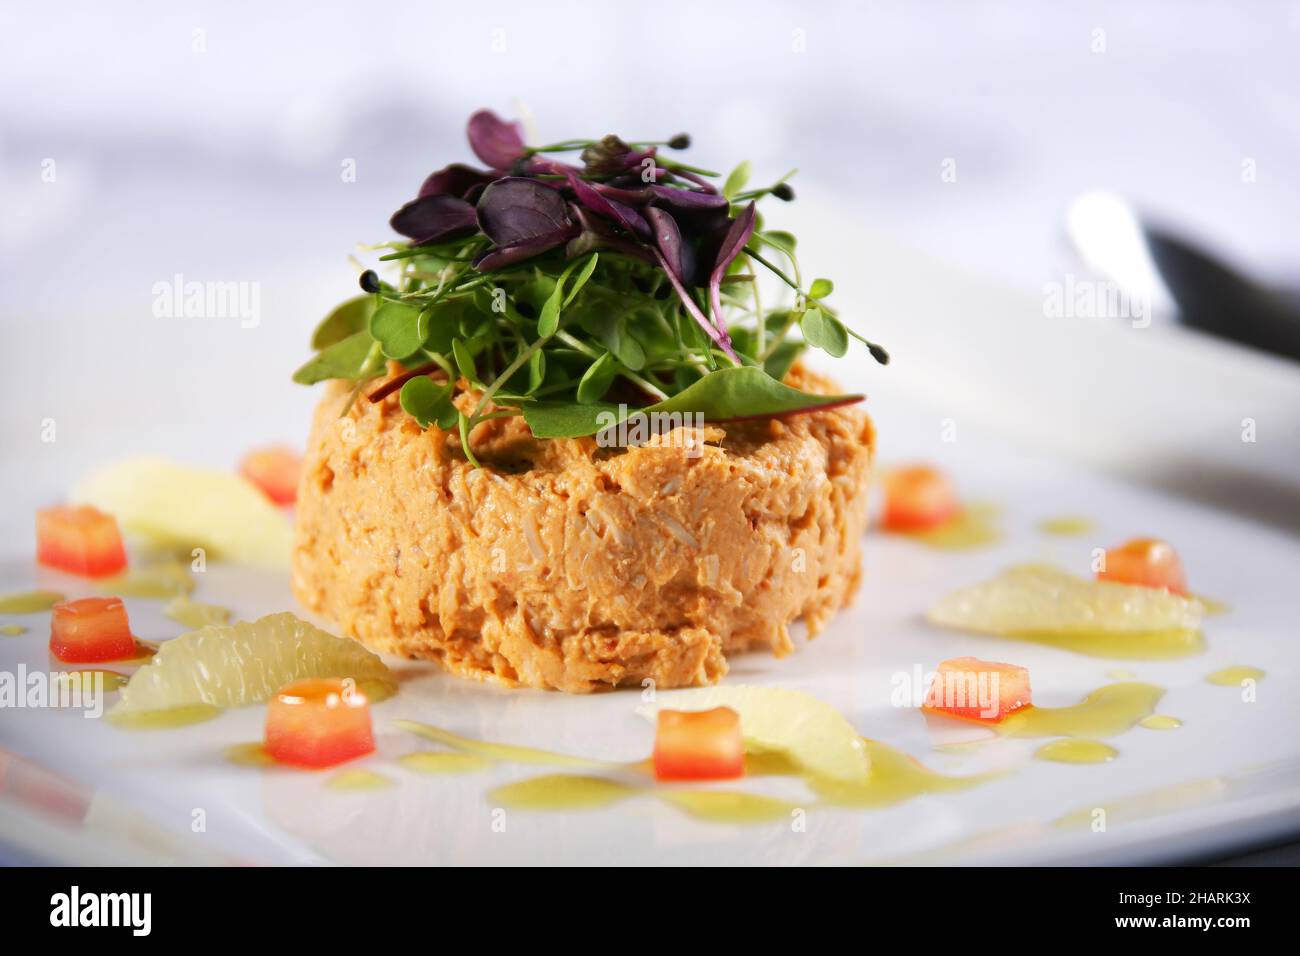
91, 629
978, 690
274, 470
82, 540
699, 745
916, 498
1148, 562
318, 722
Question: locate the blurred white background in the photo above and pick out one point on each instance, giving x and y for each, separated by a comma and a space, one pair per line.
141, 141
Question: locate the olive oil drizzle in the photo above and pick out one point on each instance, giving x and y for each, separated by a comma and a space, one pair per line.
112, 680
1160, 722
1066, 526
494, 751
1076, 750
29, 602
1107, 711
561, 791
432, 761
1120, 645
358, 779
729, 806
160, 580
973, 527
249, 755
894, 777
1235, 675
163, 719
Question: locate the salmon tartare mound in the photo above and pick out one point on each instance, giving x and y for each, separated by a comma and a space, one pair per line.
562, 564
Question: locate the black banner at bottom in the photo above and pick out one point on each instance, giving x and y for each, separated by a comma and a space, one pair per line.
210, 906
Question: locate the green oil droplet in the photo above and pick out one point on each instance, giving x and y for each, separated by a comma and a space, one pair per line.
251, 754
163, 719
432, 762
973, 527
195, 614
1076, 750
1066, 526
358, 780
1123, 645
728, 806
111, 680
1105, 712
494, 751
561, 791
1235, 676
1160, 722
894, 776
29, 602
167, 579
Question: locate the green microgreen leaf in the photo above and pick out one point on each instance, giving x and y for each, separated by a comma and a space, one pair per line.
743, 392
595, 382
563, 420
536, 371
736, 180
464, 426
778, 361
820, 288
351, 359
549, 321
729, 394
824, 332
464, 360
400, 329
429, 403
583, 276
610, 327
783, 242
346, 319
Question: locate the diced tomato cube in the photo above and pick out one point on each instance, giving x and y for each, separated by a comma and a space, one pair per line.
978, 690
91, 629
318, 722
275, 470
916, 498
1148, 562
699, 745
82, 540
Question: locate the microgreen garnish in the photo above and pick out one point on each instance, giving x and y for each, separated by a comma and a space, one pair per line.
553, 289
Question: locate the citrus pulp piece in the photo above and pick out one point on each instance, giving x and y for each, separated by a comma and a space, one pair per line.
1040, 599
233, 665
809, 731
180, 507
